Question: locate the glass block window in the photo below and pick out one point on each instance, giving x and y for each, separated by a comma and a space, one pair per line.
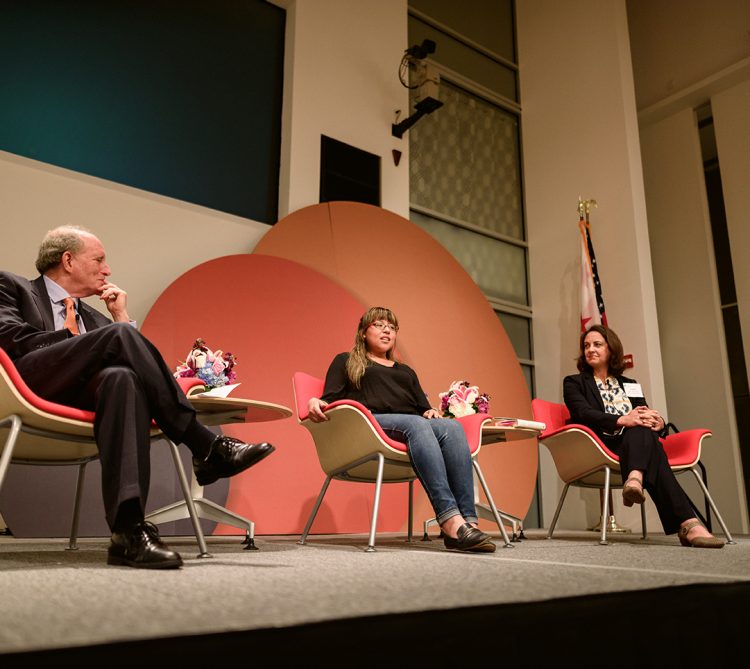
495, 74
518, 329
497, 267
466, 186
465, 162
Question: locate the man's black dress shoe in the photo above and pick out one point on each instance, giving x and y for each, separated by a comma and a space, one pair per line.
142, 548
227, 457
470, 539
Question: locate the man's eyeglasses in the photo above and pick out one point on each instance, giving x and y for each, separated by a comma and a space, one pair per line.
380, 325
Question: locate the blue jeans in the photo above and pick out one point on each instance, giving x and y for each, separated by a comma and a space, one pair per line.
440, 457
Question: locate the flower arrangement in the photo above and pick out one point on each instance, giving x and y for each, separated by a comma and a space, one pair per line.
214, 368
463, 399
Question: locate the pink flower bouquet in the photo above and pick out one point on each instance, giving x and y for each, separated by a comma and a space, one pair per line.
463, 399
214, 368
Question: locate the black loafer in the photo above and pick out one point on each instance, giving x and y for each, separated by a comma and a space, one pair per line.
470, 539
227, 457
142, 548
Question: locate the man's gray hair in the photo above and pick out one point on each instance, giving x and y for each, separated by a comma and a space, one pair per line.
56, 242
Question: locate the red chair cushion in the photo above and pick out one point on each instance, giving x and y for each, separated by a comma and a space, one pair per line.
62, 410
188, 382
556, 416
553, 414
37, 402
472, 425
305, 387
684, 448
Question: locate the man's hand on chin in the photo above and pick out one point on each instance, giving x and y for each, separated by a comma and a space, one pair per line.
116, 301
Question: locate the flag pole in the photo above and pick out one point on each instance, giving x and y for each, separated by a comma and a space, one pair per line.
584, 210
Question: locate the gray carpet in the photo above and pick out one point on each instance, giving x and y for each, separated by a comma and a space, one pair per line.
53, 598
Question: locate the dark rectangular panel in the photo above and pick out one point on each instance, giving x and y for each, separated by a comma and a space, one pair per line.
180, 98
348, 173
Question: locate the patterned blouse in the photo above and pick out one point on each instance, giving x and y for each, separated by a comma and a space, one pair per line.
615, 400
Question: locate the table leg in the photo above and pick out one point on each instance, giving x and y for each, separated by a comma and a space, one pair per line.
195, 506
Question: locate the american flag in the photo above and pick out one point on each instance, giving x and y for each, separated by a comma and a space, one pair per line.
592, 302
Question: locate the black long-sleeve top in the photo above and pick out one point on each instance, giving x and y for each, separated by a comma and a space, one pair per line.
382, 389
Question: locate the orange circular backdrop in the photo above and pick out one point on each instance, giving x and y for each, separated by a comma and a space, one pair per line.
294, 303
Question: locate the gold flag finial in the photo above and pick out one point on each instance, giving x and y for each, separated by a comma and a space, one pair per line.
584, 207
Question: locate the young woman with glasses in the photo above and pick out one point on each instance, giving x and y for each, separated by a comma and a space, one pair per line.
437, 446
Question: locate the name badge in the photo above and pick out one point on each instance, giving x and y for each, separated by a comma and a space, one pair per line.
632, 389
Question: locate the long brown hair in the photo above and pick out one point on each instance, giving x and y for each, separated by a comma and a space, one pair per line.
616, 362
358, 361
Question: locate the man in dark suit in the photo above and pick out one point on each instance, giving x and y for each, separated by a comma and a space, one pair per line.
69, 353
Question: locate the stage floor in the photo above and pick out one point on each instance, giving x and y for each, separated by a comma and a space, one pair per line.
289, 596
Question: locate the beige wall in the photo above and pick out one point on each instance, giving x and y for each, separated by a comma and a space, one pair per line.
341, 80
731, 112
150, 239
580, 138
695, 360
678, 44
687, 54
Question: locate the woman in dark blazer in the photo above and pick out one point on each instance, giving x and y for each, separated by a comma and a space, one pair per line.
614, 407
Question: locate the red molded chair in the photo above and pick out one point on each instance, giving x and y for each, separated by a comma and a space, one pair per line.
351, 446
40, 432
582, 460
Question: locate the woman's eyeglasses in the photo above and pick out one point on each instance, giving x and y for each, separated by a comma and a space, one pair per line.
380, 325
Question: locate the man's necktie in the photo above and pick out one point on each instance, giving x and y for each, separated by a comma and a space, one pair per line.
70, 315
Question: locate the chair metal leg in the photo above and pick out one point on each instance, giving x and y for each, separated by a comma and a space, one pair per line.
187, 494
488, 494
643, 520
557, 511
605, 508
378, 484
314, 512
516, 524
713, 506
427, 523
10, 443
410, 534
7, 451
72, 542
